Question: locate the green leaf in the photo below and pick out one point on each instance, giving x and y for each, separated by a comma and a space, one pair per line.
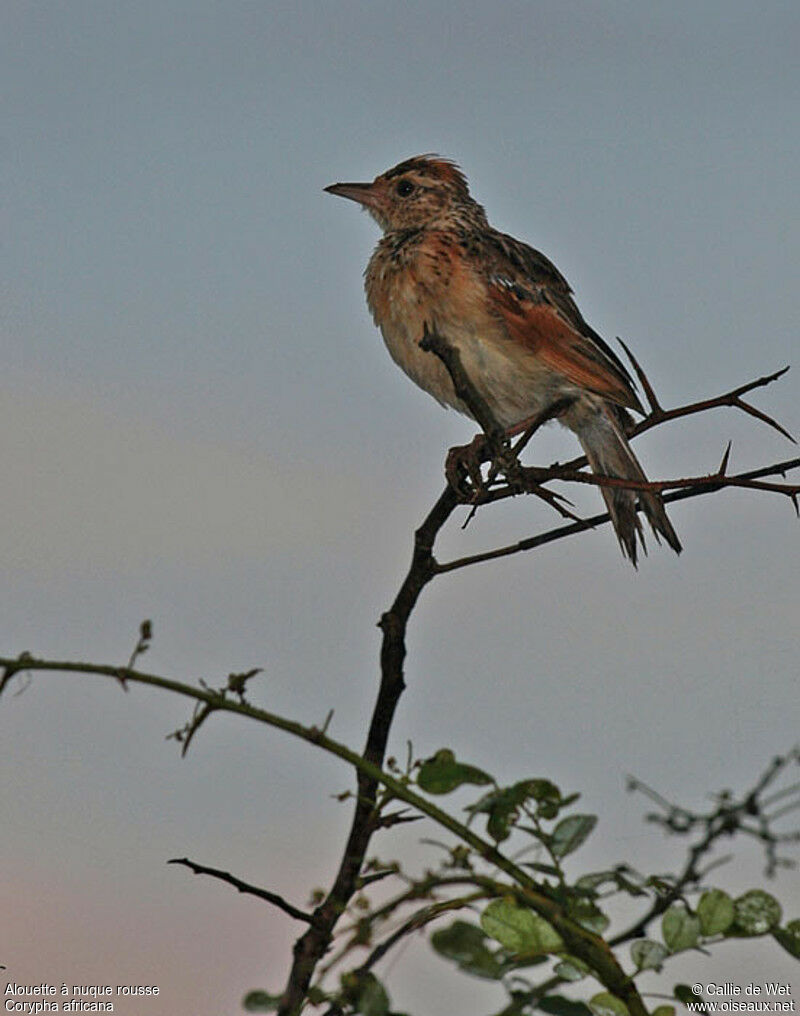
680, 929
648, 955
502, 805
789, 938
684, 994
518, 1005
260, 1001
606, 1004
543, 790
372, 997
543, 869
519, 929
571, 969
557, 1005
756, 913
715, 911
617, 877
570, 833
465, 944
595, 879
441, 774
663, 1010
588, 915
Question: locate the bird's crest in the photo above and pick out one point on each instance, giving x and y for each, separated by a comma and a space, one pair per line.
433, 166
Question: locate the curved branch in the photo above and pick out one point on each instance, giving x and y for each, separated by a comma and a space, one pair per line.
591, 948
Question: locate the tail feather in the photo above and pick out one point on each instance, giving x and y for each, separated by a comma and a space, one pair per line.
603, 439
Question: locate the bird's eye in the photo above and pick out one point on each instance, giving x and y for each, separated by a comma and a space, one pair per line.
404, 188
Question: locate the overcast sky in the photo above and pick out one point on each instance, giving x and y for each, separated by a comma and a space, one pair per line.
200, 425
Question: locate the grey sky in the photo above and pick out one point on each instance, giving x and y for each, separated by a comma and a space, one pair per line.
200, 425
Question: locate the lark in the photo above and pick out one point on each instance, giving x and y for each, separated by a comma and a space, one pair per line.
510, 314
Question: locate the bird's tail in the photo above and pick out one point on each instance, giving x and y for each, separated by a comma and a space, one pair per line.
602, 435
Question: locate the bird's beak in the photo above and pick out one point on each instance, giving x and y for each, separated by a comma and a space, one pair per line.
363, 193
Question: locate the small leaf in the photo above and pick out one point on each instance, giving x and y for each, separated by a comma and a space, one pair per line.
684, 994
519, 929
715, 911
571, 969
588, 915
260, 1001
595, 879
789, 938
543, 869
557, 1005
543, 790
606, 1004
570, 833
680, 929
518, 1006
502, 805
372, 997
756, 913
663, 1010
441, 774
648, 955
465, 944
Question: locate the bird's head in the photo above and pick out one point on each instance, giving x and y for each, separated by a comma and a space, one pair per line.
423, 191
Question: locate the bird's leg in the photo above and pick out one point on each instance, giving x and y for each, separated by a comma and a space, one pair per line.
463, 467
507, 461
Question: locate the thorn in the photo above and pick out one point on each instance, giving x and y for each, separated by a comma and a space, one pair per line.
655, 405
723, 466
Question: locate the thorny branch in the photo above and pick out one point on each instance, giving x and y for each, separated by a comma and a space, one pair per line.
750, 814
582, 943
312, 946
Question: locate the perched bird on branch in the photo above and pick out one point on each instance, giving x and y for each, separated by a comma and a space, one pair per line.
510, 314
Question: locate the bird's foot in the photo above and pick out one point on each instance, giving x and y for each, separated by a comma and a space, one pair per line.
463, 467
464, 462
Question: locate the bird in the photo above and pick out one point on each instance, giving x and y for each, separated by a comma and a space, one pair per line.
508, 311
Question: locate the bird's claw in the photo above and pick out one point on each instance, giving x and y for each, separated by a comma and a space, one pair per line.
463, 467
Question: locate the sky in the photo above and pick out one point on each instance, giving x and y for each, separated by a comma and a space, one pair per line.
200, 426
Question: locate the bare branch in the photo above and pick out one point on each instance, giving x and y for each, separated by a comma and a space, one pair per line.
560, 533
655, 406
244, 887
732, 398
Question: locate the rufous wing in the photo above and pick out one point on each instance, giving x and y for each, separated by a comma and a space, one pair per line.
532, 318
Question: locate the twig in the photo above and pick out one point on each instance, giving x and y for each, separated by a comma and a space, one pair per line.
531, 543
732, 399
310, 948
658, 415
536, 476
729, 817
244, 887
432, 342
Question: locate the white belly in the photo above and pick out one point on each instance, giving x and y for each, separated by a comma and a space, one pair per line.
515, 384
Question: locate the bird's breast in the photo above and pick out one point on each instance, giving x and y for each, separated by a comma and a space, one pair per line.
430, 284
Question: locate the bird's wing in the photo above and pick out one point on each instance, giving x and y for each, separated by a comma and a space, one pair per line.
535, 304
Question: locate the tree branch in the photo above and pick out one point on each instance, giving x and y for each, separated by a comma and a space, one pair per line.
314, 943
586, 945
244, 887
730, 816
707, 486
